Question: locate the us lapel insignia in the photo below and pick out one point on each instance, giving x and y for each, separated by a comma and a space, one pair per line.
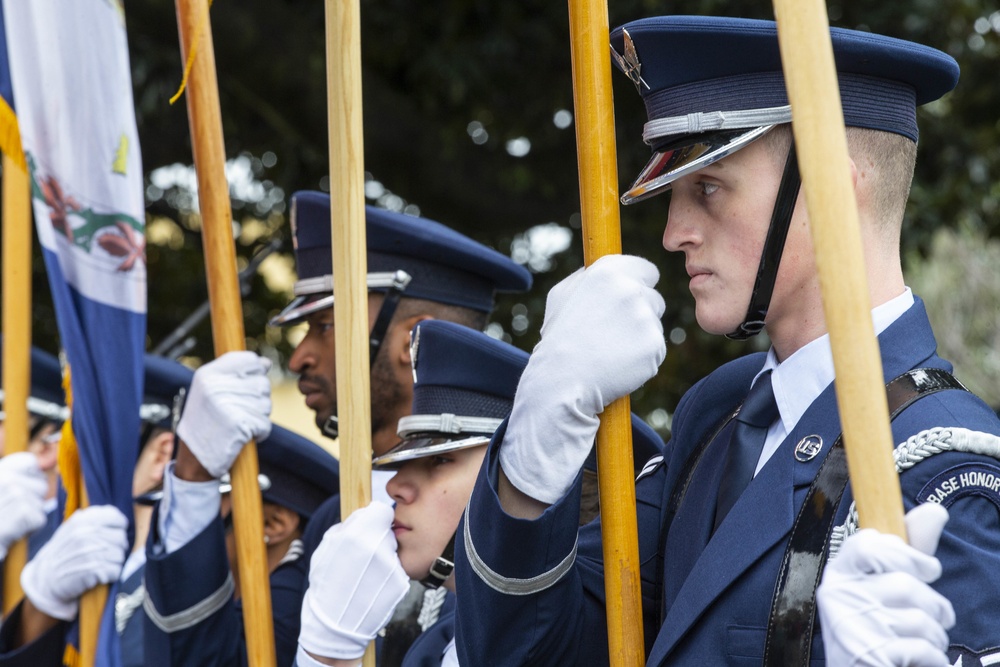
808, 448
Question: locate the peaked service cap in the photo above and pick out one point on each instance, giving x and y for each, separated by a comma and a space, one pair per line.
712, 85
163, 381
46, 398
463, 388
295, 472
444, 265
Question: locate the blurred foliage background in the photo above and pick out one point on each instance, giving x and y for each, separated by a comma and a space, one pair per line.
468, 119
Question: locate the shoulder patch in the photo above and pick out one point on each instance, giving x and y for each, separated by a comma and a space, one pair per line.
967, 479
650, 467
963, 656
982, 479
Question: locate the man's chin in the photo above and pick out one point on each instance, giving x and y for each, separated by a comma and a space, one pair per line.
713, 322
323, 416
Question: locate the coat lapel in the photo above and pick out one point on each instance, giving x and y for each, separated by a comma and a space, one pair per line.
759, 518
765, 512
692, 527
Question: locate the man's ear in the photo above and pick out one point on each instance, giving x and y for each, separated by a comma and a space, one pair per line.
152, 462
162, 446
280, 523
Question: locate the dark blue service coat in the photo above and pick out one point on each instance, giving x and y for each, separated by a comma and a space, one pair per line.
531, 592
38, 539
131, 618
428, 649
46, 651
196, 620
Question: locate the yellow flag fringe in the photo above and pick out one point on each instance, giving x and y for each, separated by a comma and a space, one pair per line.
69, 457
10, 135
71, 656
68, 460
191, 56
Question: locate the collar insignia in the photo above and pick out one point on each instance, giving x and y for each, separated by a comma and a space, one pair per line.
808, 448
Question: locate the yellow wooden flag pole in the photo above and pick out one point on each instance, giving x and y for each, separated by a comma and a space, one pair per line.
598, 168
350, 259
16, 343
205, 118
817, 123
92, 605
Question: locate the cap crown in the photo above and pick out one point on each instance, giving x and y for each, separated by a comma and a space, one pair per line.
461, 371
699, 64
713, 85
445, 266
463, 387
46, 397
163, 381
300, 474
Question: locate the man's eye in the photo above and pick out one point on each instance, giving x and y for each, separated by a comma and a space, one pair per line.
708, 188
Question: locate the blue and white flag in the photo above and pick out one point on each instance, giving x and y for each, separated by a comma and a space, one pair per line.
72, 85
69, 70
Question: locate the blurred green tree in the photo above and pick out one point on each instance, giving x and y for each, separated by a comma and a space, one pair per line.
468, 120
960, 284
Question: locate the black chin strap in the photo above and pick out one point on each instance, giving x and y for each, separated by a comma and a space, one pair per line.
774, 244
442, 568
331, 428
392, 296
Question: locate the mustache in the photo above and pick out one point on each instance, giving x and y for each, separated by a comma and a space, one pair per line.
318, 381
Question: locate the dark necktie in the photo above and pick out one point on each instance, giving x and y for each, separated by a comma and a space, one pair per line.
758, 412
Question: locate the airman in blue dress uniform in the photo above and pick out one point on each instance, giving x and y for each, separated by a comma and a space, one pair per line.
463, 388
28, 503
296, 477
417, 269
713, 541
163, 380
164, 384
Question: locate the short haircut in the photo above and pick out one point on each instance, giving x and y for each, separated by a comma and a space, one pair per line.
892, 158
889, 158
468, 317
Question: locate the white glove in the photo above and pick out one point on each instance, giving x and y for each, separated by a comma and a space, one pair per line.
355, 583
228, 405
601, 339
88, 550
875, 605
22, 498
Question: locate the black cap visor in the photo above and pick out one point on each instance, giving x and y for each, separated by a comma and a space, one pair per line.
300, 308
685, 155
423, 446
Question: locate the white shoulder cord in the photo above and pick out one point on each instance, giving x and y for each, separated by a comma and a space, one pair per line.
430, 610
917, 448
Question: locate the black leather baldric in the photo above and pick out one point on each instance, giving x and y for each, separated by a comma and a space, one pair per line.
793, 608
